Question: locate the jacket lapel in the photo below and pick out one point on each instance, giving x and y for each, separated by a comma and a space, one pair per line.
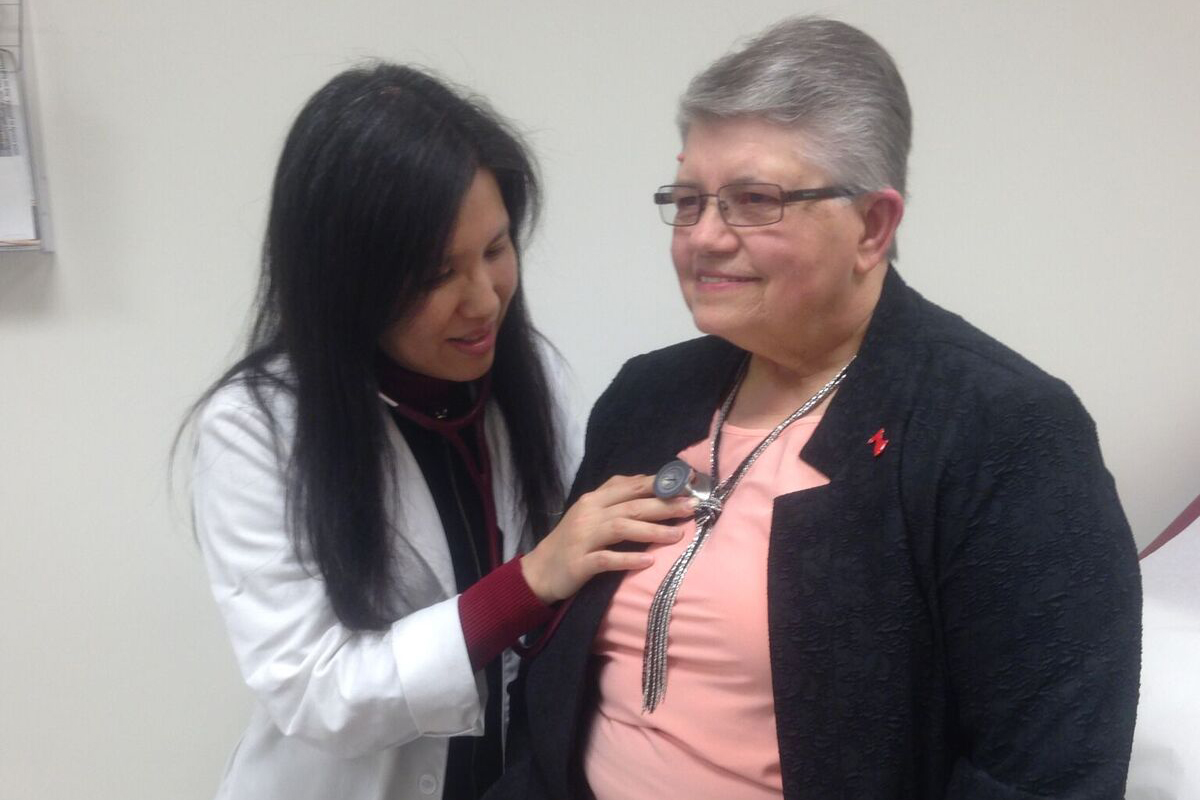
831, 563
854, 414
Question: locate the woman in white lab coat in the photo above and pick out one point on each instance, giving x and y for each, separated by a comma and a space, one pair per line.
366, 477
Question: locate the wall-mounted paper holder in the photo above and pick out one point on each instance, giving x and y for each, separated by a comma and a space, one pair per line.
24, 207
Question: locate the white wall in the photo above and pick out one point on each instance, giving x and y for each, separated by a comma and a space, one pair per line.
1054, 203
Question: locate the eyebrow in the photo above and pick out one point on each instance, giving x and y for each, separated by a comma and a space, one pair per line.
504, 232
743, 178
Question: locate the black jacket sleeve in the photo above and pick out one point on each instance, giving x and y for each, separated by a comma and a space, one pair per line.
1041, 599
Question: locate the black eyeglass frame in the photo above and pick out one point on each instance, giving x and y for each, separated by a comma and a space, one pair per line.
664, 197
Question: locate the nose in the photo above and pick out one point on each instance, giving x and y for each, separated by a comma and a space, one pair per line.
711, 233
481, 298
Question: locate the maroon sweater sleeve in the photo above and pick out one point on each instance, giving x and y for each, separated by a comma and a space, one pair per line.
497, 610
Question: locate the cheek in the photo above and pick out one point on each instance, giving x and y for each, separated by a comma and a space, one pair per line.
510, 279
505, 280
789, 259
681, 253
419, 328
395, 339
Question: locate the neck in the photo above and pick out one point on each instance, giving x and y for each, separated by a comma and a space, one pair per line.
774, 387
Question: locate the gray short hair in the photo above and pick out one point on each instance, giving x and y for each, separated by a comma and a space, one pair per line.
831, 83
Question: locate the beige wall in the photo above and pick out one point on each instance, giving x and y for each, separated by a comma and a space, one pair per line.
1053, 203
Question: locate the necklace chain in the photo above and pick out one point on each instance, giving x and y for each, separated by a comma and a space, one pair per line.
708, 511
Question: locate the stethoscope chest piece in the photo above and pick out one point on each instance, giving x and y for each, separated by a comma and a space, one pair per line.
677, 478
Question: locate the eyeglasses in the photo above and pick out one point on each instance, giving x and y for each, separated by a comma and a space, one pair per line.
742, 205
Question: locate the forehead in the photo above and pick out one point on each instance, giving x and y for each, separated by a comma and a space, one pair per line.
482, 208
744, 148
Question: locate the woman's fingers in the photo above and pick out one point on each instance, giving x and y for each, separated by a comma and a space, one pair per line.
620, 488
632, 496
631, 530
631, 516
653, 509
613, 560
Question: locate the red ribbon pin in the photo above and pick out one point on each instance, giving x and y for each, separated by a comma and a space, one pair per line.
879, 442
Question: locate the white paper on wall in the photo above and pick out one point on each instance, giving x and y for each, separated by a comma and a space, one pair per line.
18, 208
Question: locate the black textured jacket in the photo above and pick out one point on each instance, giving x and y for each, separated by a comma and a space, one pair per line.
955, 617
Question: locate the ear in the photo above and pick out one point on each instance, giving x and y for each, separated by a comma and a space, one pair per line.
881, 215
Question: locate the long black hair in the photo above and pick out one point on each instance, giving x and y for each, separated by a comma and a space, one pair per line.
365, 197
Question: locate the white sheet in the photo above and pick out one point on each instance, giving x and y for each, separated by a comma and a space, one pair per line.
1166, 744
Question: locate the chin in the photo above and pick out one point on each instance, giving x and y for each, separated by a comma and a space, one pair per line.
469, 372
714, 324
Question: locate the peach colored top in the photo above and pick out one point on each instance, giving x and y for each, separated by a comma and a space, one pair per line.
713, 736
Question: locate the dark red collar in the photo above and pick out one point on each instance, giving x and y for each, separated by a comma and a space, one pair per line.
430, 402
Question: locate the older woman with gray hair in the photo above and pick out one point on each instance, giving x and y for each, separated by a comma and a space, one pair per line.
908, 574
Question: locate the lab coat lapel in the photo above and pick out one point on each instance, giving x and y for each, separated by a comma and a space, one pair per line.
418, 530
503, 480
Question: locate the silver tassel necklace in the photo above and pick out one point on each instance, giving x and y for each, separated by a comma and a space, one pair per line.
708, 511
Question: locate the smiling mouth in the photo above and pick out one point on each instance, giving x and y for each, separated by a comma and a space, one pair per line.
472, 339
724, 279
476, 336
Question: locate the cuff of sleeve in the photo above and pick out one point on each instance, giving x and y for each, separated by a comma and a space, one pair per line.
497, 611
435, 672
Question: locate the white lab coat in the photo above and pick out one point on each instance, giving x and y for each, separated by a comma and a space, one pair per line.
339, 714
